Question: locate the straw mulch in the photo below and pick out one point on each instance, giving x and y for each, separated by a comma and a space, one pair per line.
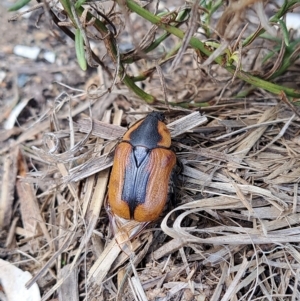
233, 232
232, 235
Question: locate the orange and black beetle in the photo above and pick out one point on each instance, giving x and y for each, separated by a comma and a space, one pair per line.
143, 163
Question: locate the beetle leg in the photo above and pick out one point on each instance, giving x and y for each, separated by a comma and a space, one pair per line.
111, 217
175, 183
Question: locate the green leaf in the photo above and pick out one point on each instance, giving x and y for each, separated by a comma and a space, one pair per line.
285, 33
19, 4
79, 3
183, 14
234, 57
79, 47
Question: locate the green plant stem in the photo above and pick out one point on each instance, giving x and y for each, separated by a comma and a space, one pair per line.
212, 8
155, 44
199, 46
112, 51
283, 10
179, 20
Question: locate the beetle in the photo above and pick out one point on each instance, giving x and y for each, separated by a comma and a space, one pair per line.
142, 167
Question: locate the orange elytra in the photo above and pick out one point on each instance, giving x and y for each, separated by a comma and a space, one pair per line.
143, 163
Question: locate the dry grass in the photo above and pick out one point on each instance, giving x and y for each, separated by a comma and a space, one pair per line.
233, 233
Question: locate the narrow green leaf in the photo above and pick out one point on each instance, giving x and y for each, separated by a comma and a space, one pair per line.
79, 47
183, 14
67, 7
285, 32
19, 4
141, 93
79, 3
